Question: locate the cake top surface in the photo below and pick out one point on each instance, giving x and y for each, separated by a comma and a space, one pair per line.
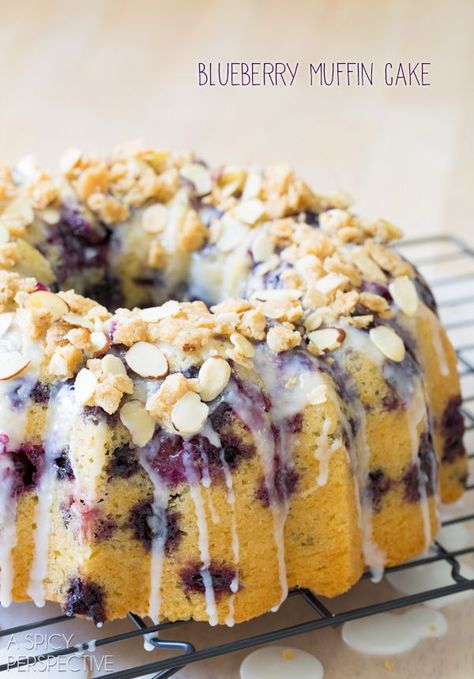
331, 270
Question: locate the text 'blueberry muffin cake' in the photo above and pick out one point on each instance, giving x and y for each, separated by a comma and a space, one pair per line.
295, 420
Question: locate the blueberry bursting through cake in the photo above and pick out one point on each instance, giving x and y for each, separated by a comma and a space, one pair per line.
291, 421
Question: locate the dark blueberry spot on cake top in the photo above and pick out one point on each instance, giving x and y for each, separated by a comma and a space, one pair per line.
452, 428
19, 394
221, 416
148, 525
376, 289
85, 598
96, 414
40, 393
273, 278
285, 480
379, 484
221, 576
28, 462
107, 291
123, 463
104, 529
63, 467
191, 372
73, 219
411, 482
428, 461
311, 218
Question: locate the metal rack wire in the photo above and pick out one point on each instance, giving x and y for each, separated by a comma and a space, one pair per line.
461, 320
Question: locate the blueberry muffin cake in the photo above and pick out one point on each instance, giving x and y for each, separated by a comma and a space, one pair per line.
292, 420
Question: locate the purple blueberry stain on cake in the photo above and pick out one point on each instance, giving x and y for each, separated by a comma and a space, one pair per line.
63, 467
123, 463
147, 525
84, 597
283, 485
378, 486
222, 576
28, 463
167, 453
98, 415
412, 481
40, 393
452, 429
428, 461
104, 529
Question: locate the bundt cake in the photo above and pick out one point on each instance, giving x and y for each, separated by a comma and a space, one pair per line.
292, 421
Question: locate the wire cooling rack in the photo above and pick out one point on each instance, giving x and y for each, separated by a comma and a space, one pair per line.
437, 258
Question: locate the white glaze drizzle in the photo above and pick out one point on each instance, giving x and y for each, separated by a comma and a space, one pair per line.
203, 538
265, 443
61, 415
234, 586
12, 432
374, 556
159, 533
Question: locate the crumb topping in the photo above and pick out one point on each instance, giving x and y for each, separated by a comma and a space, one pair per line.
315, 269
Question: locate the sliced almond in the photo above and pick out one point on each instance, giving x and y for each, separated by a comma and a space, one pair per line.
49, 301
253, 186
331, 282
112, 365
138, 421
50, 215
262, 247
21, 207
326, 339
242, 345
199, 176
233, 232
189, 414
70, 159
313, 321
318, 395
78, 321
12, 364
404, 295
84, 386
157, 313
99, 341
249, 211
147, 360
213, 377
5, 322
155, 218
390, 344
